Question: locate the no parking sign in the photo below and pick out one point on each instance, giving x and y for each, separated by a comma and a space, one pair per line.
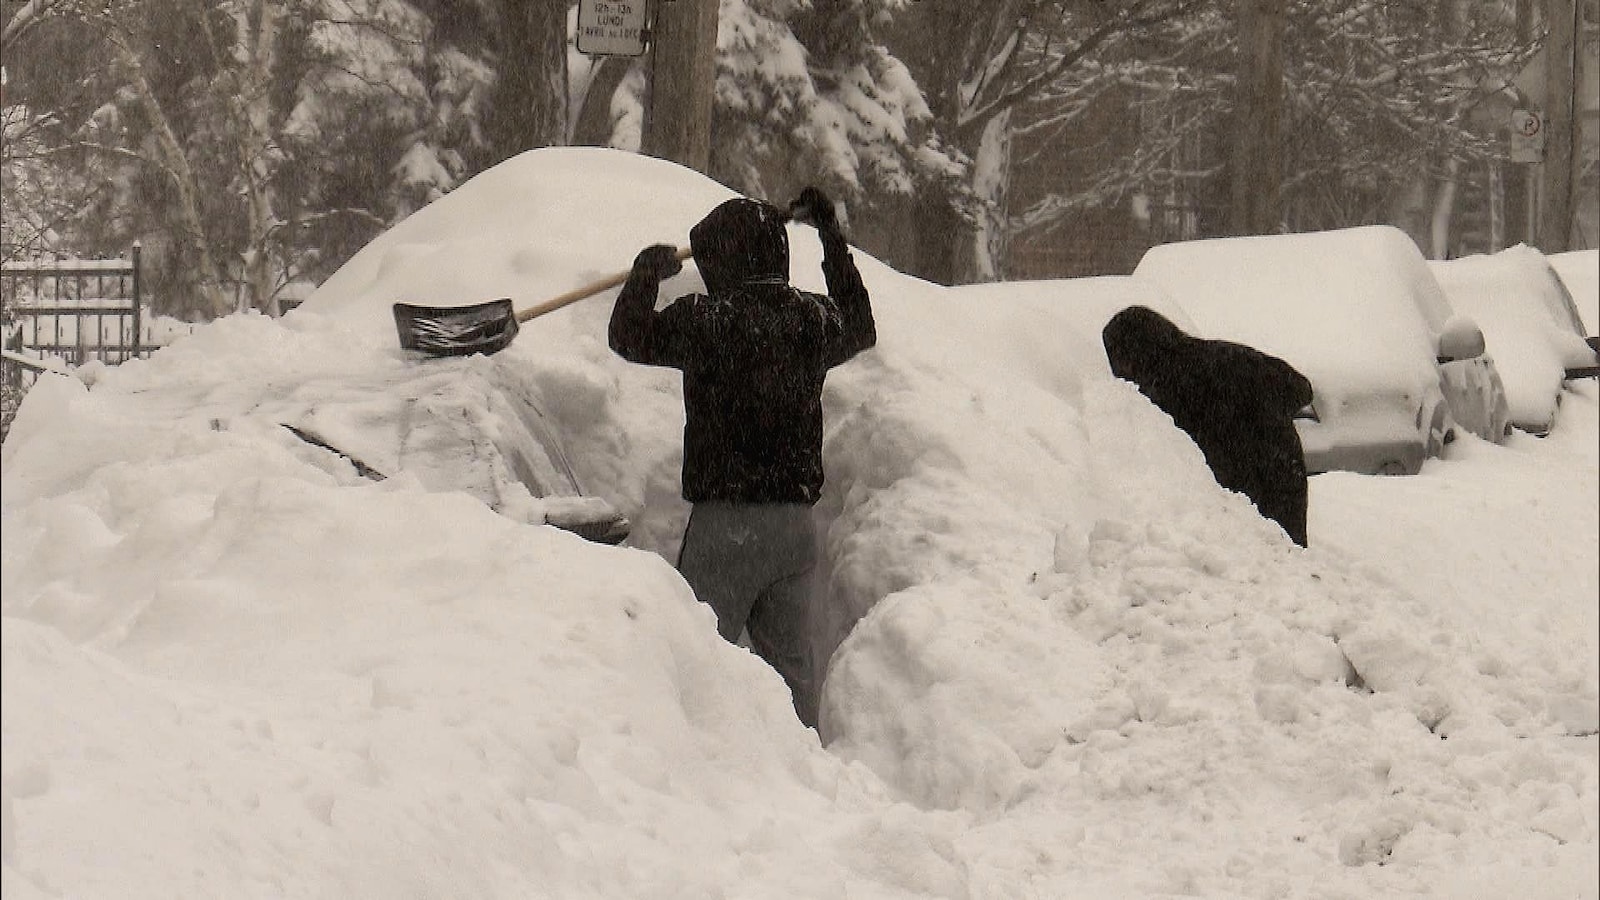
1527, 136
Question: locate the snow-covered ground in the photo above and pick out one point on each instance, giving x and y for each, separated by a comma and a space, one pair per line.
234, 667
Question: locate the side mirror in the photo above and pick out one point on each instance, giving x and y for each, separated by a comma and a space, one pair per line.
1587, 371
1460, 339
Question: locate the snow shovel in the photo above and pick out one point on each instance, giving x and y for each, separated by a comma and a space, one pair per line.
483, 327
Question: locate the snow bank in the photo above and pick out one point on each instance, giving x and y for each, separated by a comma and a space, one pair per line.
236, 667
1062, 318
231, 672
514, 236
1181, 677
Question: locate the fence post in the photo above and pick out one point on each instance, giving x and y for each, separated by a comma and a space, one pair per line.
138, 304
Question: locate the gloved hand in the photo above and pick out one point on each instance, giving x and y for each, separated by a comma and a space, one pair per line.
659, 261
814, 206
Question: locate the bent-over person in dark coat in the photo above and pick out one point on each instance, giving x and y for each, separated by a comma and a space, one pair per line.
1237, 404
754, 351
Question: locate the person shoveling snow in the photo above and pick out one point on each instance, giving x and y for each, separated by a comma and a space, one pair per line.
1237, 403
754, 353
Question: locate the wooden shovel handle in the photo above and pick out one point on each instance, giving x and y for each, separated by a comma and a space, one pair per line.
588, 290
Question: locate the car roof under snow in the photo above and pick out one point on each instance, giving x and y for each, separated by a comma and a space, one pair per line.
1356, 310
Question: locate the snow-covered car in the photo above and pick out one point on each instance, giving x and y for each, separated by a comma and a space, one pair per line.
1534, 330
1580, 272
1394, 371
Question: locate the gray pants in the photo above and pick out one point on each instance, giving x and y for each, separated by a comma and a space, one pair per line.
752, 564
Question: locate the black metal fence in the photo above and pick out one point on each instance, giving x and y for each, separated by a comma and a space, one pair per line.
70, 311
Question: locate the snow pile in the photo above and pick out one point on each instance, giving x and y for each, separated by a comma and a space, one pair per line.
1183, 677
159, 331
1067, 663
261, 678
1062, 319
1477, 536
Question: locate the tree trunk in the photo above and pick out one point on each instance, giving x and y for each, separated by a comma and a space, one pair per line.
1410, 209
940, 230
1561, 125
191, 224
991, 181
677, 118
530, 101
592, 126
957, 51
1444, 209
1258, 114
1497, 207
250, 110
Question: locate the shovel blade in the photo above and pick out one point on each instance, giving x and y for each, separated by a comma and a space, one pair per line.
456, 330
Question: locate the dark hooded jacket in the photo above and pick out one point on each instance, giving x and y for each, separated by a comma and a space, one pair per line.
754, 351
1237, 404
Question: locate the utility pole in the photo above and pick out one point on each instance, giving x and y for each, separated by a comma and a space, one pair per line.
1518, 182
683, 48
1561, 114
1258, 117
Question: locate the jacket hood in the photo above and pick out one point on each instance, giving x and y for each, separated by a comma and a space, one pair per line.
741, 241
1139, 340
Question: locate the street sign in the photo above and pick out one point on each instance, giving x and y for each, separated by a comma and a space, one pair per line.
1527, 136
611, 27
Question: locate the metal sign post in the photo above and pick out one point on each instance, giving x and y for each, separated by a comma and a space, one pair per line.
612, 27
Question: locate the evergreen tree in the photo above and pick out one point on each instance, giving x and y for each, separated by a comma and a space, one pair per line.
254, 144
806, 94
